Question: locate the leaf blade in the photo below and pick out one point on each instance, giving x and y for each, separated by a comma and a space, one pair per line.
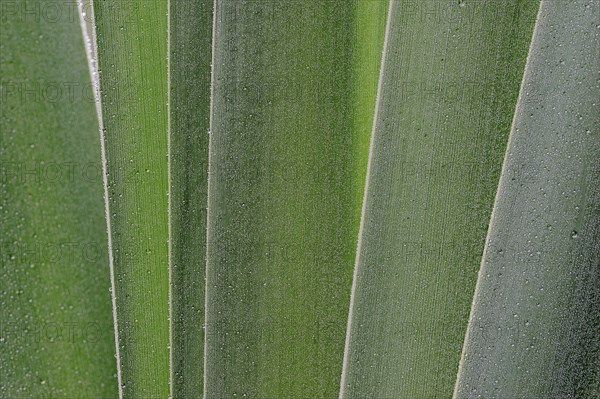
190, 81
56, 338
539, 275
431, 188
133, 87
284, 197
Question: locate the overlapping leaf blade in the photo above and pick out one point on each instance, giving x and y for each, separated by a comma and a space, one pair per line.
535, 321
448, 90
290, 99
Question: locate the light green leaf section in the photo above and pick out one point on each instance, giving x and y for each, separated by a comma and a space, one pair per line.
294, 90
535, 324
368, 31
56, 328
448, 91
190, 55
132, 61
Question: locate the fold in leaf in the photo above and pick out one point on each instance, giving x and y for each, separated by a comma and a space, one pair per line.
448, 90
535, 321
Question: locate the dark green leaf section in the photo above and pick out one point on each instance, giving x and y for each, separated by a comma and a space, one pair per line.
295, 84
132, 59
56, 329
190, 75
449, 88
535, 325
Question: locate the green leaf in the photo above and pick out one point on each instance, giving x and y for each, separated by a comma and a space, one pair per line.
294, 87
535, 320
132, 61
254, 153
56, 329
190, 77
447, 93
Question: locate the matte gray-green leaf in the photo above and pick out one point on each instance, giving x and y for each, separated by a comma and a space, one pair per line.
535, 324
448, 91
